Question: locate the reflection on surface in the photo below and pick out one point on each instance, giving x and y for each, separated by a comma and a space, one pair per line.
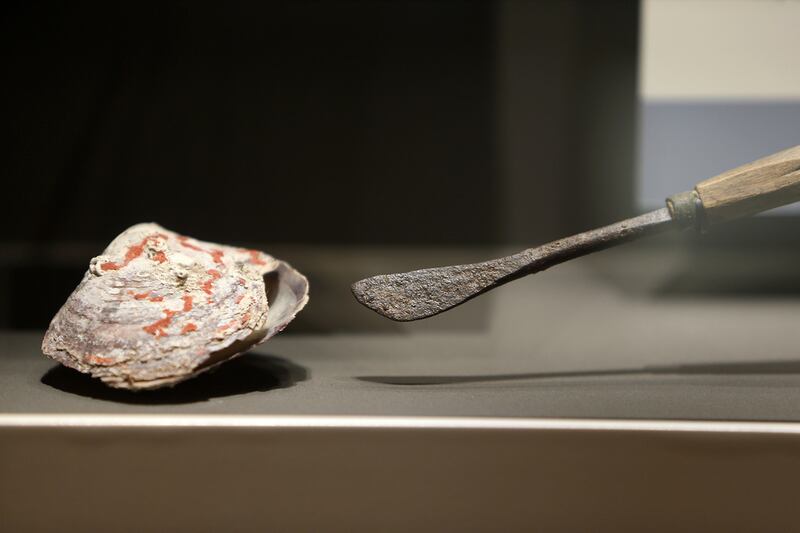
739, 368
249, 373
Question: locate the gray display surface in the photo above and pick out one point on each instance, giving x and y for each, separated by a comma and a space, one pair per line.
438, 375
617, 335
588, 397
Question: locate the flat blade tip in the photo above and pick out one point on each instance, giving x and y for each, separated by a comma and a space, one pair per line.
359, 291
374, 293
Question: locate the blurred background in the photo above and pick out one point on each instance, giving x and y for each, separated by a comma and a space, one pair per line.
357, 137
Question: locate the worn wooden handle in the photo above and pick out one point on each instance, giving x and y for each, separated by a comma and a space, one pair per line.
749, 189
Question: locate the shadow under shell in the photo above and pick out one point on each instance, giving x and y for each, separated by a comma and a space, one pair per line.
248, 373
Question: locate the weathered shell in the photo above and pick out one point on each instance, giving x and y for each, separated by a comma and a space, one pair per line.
158, 308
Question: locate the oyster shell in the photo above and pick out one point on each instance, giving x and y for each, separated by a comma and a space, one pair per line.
157, 308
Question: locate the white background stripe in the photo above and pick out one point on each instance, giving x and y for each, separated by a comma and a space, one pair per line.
356, 422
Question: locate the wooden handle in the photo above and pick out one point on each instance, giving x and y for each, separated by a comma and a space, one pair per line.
749, 189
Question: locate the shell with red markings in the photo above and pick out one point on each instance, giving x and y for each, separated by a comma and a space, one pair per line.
157, 308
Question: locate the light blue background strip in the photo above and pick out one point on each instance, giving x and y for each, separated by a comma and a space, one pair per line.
683, 142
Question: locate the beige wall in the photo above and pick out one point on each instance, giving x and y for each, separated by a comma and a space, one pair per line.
720, 49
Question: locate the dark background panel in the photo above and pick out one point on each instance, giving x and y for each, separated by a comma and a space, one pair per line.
346, 119
312, 123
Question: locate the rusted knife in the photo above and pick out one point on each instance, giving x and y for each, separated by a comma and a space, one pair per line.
763, 184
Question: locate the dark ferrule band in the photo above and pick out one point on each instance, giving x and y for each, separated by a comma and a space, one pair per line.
686, 209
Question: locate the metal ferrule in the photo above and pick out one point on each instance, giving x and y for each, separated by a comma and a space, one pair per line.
686, 209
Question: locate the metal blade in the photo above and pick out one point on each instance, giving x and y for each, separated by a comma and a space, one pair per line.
424, 293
